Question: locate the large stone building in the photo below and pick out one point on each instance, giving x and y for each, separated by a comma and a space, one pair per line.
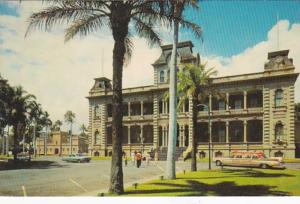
257, 112
58, 143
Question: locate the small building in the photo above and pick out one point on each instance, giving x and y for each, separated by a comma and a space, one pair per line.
257, 112
58, 143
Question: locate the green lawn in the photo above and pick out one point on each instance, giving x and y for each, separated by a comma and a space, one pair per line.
226, 182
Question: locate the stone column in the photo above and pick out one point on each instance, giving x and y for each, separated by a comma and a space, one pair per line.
227, 101
142, 108
183, 108
245, 131
129, 109
245, 100
227, 131
210, 103
142, 136
129, 138
163, 136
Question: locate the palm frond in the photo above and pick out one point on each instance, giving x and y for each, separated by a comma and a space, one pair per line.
128, 50
145, 29
85, 26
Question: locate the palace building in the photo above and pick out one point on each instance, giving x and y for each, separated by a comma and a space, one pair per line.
257, 112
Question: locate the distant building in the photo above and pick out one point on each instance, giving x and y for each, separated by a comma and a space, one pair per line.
58, 143
297, 131
257, 112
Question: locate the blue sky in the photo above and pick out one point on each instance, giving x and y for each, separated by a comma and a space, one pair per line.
232, 26
237, 38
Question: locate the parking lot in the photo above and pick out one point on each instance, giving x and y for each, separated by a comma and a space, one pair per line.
53, 177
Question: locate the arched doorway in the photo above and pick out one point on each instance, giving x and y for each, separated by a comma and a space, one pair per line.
56, 151
97, 154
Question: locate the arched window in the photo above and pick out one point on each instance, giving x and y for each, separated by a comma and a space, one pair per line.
279, 131
97, 137
162, 76
97, 112
278, 97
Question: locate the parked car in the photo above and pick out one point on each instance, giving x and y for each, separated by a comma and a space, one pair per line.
77, 158
24, 156
249, 159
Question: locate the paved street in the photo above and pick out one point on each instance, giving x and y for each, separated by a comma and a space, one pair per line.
57, 178
53, 177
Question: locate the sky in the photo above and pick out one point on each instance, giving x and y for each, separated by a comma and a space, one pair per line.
237, 37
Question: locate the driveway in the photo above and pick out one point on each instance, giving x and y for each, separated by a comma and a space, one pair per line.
53, 177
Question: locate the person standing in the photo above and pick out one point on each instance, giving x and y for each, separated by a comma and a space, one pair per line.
138, 158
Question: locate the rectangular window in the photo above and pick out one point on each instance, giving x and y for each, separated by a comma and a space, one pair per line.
221, 105
238, 104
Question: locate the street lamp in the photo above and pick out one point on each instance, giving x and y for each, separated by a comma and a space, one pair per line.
209, 130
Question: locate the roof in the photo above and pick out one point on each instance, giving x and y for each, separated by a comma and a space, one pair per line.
278, 53
102, 79
184, 50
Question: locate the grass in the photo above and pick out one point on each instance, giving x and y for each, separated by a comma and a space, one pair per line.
5, 157
101, 158
226, 182
292, 160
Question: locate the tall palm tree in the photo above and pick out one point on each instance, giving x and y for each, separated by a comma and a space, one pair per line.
57, 125
90, 16
83, 129
69, 118
177, 8
194, 81
19, 107
46, 122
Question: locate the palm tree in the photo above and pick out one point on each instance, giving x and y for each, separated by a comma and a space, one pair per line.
57, 125
178, 7
90, 16
83, 129
69, 118
18, 112
46, 122
194, 81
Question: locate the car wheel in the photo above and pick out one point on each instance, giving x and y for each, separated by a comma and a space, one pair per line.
218, 163
264, 166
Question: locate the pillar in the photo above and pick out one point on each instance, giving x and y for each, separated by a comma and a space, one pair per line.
183, 108
227, 131
128, 129
129, 109
210, 103
245, 131
142, 108
227, 101
245, 100
142, 136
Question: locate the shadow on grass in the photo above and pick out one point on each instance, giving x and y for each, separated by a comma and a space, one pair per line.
226, 188
29, 165
255, 173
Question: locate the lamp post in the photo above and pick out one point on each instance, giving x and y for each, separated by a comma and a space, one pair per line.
209, 131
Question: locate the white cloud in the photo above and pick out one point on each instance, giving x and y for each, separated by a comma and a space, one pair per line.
60, 75
252, 59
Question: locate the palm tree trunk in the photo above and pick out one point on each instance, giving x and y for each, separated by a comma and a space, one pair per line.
15, 128
194, 139
173, 108
116, 177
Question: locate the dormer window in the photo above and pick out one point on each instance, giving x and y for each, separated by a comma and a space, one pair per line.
162, 76
278, 97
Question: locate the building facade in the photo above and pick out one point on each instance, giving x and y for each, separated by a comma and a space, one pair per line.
256, 113
58, 143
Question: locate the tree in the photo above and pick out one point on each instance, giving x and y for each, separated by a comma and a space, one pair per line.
69, 118
177, 8
194, 81
57, 125
86, 17
19, 107
83, 129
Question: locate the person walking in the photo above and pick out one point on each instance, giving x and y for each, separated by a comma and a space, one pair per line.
133, 158
138, 158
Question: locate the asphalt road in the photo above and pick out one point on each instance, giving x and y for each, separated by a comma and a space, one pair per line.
53, 177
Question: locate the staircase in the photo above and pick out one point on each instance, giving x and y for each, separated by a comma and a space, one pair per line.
162, 153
